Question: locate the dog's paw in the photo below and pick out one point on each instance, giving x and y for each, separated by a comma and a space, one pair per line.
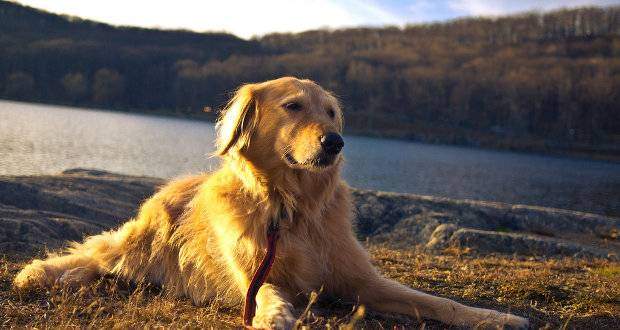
274, 317
31, 277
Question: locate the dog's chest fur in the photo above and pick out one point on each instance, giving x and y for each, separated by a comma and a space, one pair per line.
302, 259
307, 243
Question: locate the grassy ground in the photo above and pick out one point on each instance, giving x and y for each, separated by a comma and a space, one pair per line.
553, 293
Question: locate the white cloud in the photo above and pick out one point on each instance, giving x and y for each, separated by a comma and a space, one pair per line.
247, 18
243, 18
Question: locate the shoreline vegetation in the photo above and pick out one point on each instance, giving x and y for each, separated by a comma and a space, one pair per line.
546, 83
558, 268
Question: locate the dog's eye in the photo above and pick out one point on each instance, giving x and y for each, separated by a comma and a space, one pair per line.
331, 113
292, 106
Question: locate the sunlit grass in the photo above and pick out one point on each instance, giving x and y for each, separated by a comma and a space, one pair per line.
550, 292
609, 271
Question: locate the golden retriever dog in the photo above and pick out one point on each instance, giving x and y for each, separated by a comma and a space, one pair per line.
203, 236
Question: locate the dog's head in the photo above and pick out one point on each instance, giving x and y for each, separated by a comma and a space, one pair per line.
286, 122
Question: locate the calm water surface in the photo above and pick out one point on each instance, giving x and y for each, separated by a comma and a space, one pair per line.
40, 139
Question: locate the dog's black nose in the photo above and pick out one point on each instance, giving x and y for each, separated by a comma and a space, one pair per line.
332, 143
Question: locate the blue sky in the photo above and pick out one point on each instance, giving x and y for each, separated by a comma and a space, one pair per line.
248, 18
428, 10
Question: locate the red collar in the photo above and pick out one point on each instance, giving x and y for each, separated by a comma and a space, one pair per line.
259, 277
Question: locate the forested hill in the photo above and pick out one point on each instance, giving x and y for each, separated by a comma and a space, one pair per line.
51, 58
532, 82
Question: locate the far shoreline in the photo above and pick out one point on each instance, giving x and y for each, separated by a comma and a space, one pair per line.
210, 117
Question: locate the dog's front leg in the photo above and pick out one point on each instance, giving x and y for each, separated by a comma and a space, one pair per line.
389, 296
273, 309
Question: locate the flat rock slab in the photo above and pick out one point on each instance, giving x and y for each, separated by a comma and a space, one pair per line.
47, 211
402, 220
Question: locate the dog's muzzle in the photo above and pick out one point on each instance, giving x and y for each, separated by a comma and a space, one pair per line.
331, 145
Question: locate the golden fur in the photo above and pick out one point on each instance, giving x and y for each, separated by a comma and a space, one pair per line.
203, 236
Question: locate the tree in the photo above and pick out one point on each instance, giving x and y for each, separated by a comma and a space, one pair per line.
108, 87
75, 86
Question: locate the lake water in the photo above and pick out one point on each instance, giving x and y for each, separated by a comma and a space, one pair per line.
41, 139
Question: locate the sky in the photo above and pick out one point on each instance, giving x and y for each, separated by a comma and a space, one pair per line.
255, 18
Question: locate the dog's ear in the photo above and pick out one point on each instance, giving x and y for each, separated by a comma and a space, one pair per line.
238, 120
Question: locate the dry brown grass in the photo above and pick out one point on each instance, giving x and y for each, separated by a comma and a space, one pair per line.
553, 293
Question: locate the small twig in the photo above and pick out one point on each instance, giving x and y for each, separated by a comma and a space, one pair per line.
314, 296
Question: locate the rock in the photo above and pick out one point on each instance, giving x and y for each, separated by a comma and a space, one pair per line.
441, 237
483, 242
435, 223
47, 211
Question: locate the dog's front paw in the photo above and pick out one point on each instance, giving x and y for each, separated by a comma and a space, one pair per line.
32, 276
274, 317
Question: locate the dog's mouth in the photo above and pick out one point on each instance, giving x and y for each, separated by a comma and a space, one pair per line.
321, 160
